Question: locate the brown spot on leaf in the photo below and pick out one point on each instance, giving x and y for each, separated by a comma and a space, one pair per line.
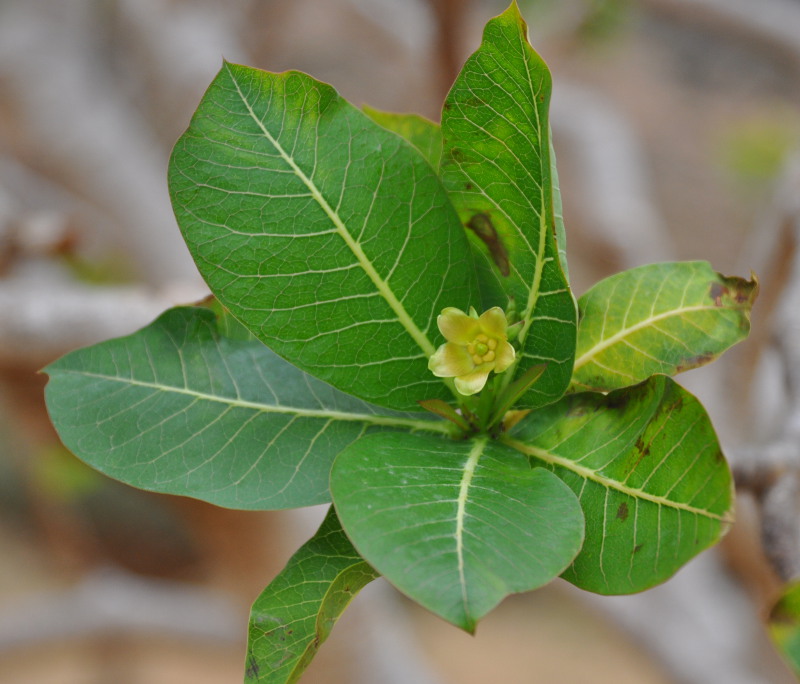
468, 186
481, 224
456, 154
695, 361
622, 512
717, 292
637, 548
642, 448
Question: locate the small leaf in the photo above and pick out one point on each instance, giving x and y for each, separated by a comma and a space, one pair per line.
647, 468
515, 390
498, 169
294, 615
660, 318
329, 237
444, 410
457, 526
784, 625
422, 133
179, 408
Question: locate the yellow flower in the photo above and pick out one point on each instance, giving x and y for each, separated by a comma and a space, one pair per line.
475, 347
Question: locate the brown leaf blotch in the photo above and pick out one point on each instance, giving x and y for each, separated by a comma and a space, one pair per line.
717, 292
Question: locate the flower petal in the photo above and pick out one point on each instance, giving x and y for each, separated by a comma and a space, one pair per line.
472, 383
494, 322
450, 360
456, 326
504, 356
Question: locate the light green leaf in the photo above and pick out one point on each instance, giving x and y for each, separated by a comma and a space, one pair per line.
558, 213
497, 168
457, 526
422, 133
294, 615
328, 236
648, 470
179, 408
661, 318
784, 625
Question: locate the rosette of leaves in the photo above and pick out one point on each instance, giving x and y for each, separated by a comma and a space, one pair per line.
331, 239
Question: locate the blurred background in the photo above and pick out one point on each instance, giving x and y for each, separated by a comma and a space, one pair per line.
677, 130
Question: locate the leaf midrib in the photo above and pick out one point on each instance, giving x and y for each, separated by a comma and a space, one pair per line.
539, 255
429, 425
601, 346
594, 476
463, 496
355, 247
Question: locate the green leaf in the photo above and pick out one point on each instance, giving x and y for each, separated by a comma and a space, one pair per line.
661, 318
648, 470
558, 213
179, 408
497, 167
784, 625
329, 237
422, 133
457, 526
296, 612
509, 396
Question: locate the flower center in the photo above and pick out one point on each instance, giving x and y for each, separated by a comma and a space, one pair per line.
482, 349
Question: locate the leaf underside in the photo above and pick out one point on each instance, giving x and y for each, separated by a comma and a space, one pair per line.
329, 237
648, 470
296, 612
496, 165
660, 318
180, 408
457, 526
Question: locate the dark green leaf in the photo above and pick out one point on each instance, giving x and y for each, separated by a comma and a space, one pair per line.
648, 470
497, 168
457, 526
660, 318
422, 133
328, 236
296, 612
179, 408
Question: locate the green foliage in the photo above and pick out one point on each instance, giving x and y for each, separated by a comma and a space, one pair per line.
649, 474
455, 525
296, 613
784, 625
329, 237
179, 408
332, 240
660, 318
496, 166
